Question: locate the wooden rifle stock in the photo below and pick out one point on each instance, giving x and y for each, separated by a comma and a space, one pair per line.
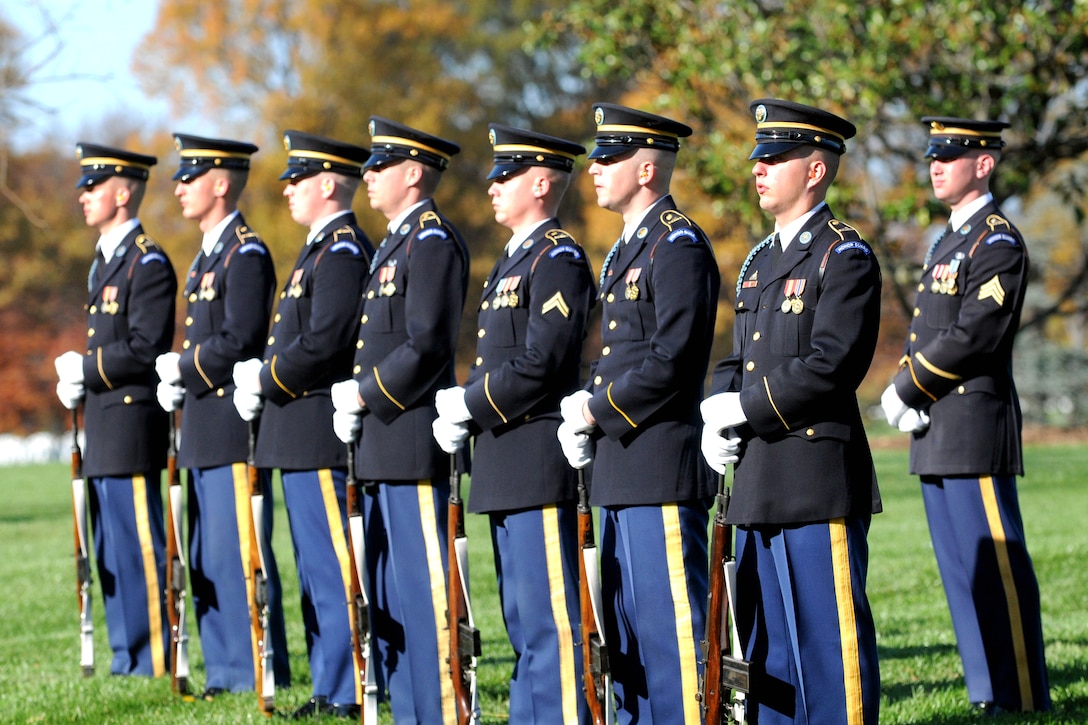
366, 686
595, 670
259, 613
464, 637
175, 591
724, 670
83, 561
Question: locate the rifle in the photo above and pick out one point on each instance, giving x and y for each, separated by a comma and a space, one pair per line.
360, 601
175, 571
724, 667
264, 677
83, 562
464, 637
595, 670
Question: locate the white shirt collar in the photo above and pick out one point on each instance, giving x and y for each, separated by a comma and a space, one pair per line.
111, 240
518, 239
211, 237
399, 218
787, 233
959, 217
630, 229
320, 224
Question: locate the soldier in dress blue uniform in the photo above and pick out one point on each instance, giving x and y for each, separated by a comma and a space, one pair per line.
804, 488
955, 393
408, 328
229, 291
659, 287
130, 320
532, 321
311, 346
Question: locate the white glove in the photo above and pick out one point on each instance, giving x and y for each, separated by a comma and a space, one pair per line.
718, 450
346, 425
70, 394
170, 395
576, 444
247, 375
571, 409
913, 421
345, 397
894, 408
451, 405
247, 404
449, 434
69, 368
168, 368
722, 411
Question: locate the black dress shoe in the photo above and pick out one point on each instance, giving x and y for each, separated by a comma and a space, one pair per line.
987, 709
345, 710
211, 693
317, 705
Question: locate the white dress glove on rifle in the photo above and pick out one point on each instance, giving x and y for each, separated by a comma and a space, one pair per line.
576, 444
449, 434
571, 409
450, 404
168, 368
723, 411
247, 388
69, 367
170, 395
346, 425
346, 418
718, 450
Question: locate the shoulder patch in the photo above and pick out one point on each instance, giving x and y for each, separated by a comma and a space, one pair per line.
253, 248
433, 232
1001, 237
153, 257
566, 249
558, 236
345, 245
672, 218
687, 232
854, 244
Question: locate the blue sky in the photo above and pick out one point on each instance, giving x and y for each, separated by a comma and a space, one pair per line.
88, 79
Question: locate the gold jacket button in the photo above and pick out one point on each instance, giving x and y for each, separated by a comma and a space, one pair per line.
219, 392
921, 287
750, 366
357, 369
276, 318
756, 335
128, 400
370, 294
359, 345
479, 361
913, 337
917, 312
612, 325
271, 339
185, 345
606, 350
481, 332
961, 390
598, 380
810, 432
364, 319
90, 332
484, 305
93, 309
192, 297
188, 321
611, 297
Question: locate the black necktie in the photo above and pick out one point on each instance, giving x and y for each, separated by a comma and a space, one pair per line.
776, 250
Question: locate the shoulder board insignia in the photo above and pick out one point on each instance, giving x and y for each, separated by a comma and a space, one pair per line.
671, 218
346, 244
682, 232
429, 217
344, 232
153, 257
252, 247
845, 231
1001, 237
245, 232
144, 242
565, 249
994, 221
855, 244
557, 236
433, 232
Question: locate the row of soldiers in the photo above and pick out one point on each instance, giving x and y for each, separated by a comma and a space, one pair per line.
360, 351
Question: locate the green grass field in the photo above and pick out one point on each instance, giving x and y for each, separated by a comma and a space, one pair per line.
39, 669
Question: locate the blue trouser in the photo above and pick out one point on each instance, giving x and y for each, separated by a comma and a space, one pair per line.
654, 587
220, 527
536, 560
978, 538
805, 623
127, 524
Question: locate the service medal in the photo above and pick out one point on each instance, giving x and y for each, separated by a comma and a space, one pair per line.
786, 305
388, 289
632, 292
512, 299
797, 306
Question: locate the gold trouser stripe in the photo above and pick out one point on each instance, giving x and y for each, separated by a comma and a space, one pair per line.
608, 392
487, 392
343, 558
685, 640
1012, 598
770, 399
378, 380
151, 574
569, 691
848, 624
429, 527
247, 539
